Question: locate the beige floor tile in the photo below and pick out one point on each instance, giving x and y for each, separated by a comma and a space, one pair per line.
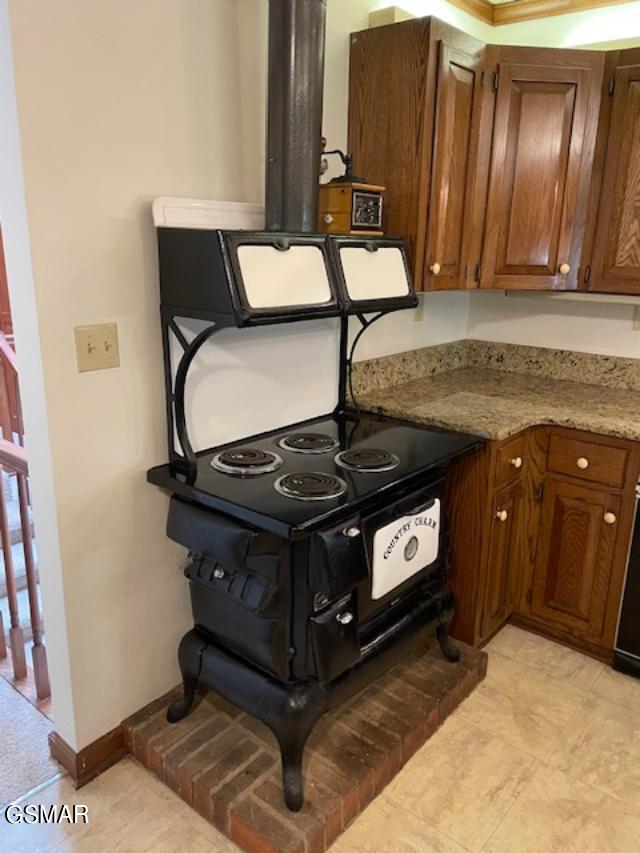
551, 658
129, 810
601, 747
521, 704
462, 782
385, 826
556, 814
617, 687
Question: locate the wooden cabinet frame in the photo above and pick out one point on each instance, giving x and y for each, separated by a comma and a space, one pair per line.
486, 597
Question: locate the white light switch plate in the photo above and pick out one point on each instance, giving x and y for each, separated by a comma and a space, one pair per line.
97, 347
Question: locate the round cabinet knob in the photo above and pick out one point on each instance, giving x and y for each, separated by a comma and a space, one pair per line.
609, 518
582, 463
328, 218
502, 515
345, 618
565, 269
435, 268
517, 462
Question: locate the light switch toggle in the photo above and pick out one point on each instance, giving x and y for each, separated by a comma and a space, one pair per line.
97, 347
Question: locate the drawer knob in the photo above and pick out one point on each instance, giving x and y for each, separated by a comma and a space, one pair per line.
517, 462
582, 463
502, 515
610, 518
328, 218
345, 618
435, 268
565, 269
352, 532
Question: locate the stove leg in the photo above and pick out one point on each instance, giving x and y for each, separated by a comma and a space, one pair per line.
190, 660
292, 750
292, 727
450, 652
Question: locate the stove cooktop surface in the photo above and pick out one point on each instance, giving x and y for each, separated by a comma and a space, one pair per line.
345, 463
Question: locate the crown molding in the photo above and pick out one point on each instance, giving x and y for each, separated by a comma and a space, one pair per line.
527, 10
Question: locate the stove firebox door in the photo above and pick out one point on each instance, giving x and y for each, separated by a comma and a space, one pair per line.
337, 559
334, 639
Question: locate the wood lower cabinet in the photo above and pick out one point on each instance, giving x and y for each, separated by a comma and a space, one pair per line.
574, 564
544, 134
484, 499
547, 549
614, 262
502, 561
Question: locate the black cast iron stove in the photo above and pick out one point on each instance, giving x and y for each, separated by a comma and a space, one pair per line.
317, 551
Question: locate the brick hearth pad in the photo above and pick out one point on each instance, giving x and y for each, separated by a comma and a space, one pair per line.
226, 764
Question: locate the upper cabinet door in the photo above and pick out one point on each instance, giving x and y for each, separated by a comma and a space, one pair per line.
615, 262
543, 141
454, 216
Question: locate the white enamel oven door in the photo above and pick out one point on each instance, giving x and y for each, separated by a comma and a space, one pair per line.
406, 544
372, 274
279, 276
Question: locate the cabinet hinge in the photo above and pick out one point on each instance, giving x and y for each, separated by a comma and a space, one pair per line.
476, 272
539, 494
482, 78
612, 85
529, 596
495, 79
587, 274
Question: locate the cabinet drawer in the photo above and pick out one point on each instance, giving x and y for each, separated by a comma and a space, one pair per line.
599, 463
510, 459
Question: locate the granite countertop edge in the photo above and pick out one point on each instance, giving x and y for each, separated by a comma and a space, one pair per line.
517, 408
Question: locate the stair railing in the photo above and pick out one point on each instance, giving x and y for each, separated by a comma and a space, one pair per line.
13, 460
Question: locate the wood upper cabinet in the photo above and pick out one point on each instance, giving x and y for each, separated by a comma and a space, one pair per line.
456, 204
572, 577
615, 259
544, 133
415, 113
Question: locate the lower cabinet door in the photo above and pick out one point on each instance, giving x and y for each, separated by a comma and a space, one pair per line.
502, 563
574, 557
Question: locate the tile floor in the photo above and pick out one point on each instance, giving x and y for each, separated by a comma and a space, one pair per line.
544, 756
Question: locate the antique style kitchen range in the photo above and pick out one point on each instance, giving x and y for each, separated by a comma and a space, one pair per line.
318, 550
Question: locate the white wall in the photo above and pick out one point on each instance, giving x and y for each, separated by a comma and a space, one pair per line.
582, 326
118, 103
13, 220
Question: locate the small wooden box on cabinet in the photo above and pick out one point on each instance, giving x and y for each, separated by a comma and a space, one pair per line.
351, 208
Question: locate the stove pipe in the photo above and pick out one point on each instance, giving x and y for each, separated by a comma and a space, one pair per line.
294, 123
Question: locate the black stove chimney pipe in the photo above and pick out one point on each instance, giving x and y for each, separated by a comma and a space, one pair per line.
294, 127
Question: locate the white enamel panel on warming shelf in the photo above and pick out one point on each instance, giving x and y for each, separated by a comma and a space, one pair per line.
404, 547
374, 275
274, 278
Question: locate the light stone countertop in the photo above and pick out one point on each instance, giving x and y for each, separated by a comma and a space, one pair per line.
496, 404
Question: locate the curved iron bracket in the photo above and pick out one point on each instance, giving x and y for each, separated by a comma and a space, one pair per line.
176, 388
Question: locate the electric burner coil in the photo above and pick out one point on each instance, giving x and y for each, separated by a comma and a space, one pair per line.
310, 486
367, 460
308, 442
246, 462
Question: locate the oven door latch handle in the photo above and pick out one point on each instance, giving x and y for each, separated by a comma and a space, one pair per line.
351, 532
345, 618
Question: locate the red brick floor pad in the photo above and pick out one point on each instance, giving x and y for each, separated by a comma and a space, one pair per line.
226, 764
